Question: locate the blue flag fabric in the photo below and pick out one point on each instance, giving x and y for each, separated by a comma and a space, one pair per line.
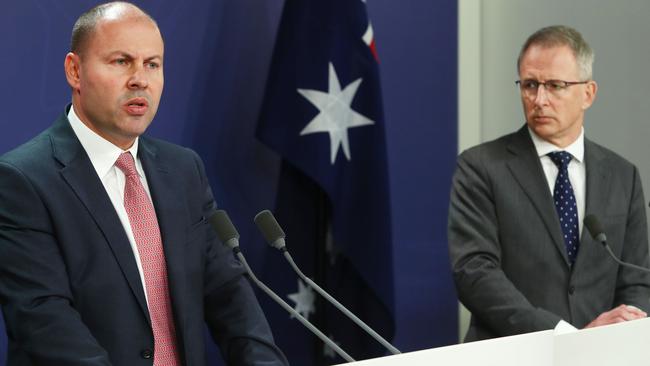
322, 113
3, 342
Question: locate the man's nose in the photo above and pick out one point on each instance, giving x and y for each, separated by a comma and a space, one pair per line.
541, 98
138, 79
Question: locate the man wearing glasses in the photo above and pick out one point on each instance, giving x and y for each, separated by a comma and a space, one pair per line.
520, 257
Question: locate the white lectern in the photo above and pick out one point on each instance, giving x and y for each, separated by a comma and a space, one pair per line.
624, 344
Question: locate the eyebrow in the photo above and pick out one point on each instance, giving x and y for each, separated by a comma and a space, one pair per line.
129, 56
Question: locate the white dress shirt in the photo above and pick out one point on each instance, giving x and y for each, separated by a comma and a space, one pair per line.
577, 176
103, 155
576, 168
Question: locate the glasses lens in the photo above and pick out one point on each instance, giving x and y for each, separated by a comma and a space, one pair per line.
530, 85
555, 85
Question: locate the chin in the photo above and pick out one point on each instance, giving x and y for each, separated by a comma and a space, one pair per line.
544, 131
137, 124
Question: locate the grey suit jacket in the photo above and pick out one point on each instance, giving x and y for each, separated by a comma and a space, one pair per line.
506, 246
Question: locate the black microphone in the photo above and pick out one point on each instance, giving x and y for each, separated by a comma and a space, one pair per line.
596, 230
274, 236
229, 236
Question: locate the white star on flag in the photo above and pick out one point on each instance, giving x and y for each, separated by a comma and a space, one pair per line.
369, 35
304, 300
336, 115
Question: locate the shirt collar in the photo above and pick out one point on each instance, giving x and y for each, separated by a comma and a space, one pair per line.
102, 153
576, 149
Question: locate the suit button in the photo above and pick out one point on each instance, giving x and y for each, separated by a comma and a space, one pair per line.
146, 353
572, 289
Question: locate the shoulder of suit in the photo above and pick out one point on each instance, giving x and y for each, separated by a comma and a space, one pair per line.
492, 150
606, 156
34, 152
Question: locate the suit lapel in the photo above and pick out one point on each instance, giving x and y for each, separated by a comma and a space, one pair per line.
170, 213
598, 187
527, 171
80, 175
598, 179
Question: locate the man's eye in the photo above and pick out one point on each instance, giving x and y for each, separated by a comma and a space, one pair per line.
120, 61
152, 65
531, 84
556, 84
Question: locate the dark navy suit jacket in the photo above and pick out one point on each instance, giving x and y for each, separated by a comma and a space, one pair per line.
69, 286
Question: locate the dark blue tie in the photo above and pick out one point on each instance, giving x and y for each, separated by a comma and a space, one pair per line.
565, 204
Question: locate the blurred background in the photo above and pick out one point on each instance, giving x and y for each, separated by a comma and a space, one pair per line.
447, 71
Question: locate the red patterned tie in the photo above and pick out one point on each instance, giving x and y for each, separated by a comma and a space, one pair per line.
146, 232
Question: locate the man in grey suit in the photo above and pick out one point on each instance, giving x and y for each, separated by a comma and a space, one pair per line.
521, 259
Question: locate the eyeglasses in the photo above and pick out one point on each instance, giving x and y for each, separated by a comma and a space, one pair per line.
529, 87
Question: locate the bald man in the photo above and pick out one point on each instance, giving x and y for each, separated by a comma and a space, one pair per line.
106, 254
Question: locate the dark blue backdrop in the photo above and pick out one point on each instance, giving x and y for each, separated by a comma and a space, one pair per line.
216, 61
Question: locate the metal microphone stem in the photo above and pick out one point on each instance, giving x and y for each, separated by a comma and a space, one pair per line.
338, 305
291, 310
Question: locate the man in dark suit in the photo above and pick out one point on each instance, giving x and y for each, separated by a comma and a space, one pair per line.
521, 259
106, 254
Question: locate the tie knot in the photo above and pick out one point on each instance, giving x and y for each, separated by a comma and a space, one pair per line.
560, 158
126, 164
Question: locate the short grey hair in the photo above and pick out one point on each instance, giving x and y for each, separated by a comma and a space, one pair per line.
86, 23
561, 35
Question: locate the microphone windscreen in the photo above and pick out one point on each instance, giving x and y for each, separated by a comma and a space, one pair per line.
223, 226
269, 227
593, 226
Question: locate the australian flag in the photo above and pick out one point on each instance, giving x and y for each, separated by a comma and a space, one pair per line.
322, 114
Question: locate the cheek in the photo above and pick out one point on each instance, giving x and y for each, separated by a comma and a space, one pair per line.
159, 83
157, 91
568, 113
101, 87
528, 106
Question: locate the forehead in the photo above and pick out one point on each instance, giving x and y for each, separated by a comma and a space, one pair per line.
135, 35
550, 62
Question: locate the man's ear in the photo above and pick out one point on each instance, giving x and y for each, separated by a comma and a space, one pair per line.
72, 66
590, 94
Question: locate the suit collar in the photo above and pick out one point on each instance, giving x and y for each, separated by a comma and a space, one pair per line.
543, 147
77, 170
598, 179
79, 173
102, 153
527, 170
66, 148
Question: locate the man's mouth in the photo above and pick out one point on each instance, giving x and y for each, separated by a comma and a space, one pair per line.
541, 117
136, 106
